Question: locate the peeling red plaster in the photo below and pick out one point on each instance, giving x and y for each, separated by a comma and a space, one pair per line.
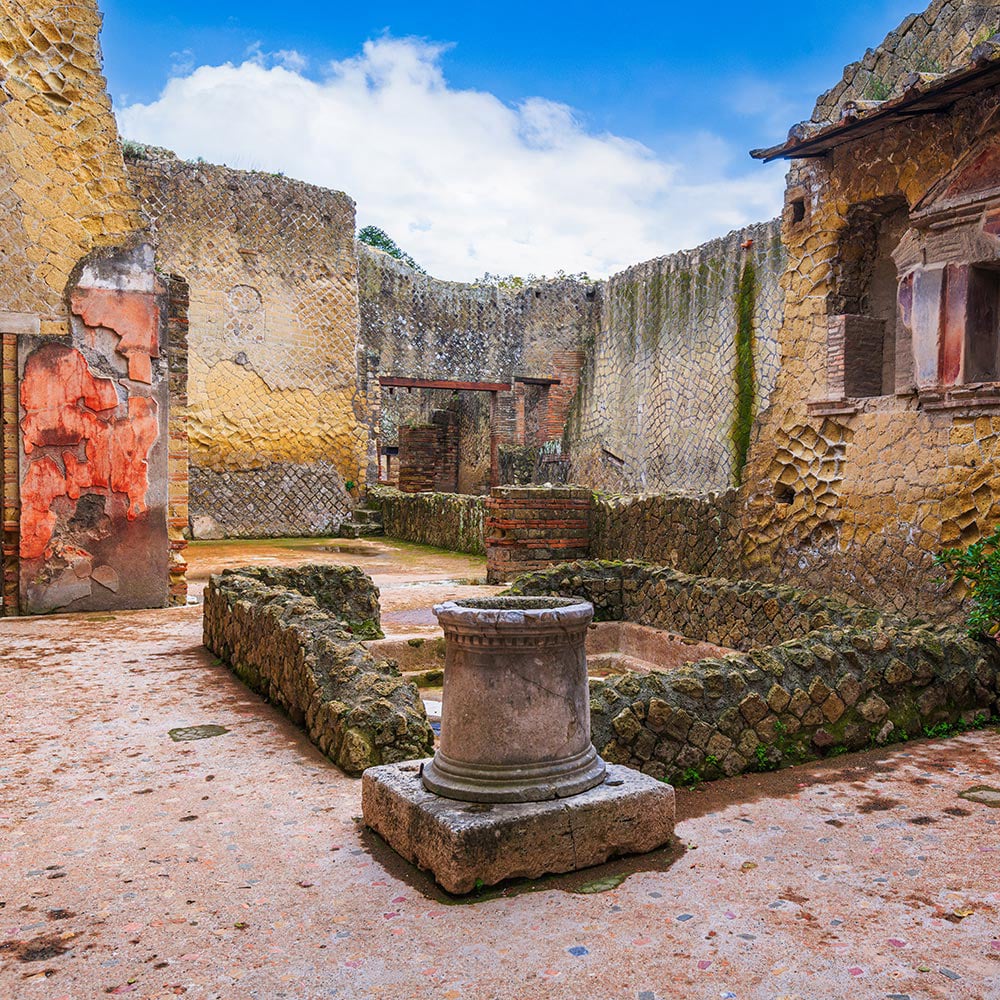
134, 316
66, 405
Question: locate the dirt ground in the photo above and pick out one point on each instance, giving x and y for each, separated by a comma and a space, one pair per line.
234, 866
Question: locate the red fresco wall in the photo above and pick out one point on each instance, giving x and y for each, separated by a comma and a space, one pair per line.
66, 406
93, 532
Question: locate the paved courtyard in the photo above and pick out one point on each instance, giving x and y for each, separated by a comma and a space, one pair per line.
234, 866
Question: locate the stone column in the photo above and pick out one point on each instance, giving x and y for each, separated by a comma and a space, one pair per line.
515, 723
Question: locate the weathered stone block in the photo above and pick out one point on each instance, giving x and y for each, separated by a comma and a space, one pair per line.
873, 709
468, 844
753, 708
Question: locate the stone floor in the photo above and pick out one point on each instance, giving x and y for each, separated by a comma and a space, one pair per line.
234, 866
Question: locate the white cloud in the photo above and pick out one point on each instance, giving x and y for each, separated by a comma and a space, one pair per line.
461, 180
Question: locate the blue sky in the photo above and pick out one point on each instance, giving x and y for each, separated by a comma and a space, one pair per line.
637, 117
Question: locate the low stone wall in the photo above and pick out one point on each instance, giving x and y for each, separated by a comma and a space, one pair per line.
692, 532
446, 520
737, 614
292, 635
815, 677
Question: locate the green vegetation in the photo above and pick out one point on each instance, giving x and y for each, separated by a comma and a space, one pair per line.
764, 760
690, 777
134, 150
379, 239
877, 90
515, 282
942, 729
978, 568
745, 370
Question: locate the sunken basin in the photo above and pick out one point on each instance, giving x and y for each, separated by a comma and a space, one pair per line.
515, 723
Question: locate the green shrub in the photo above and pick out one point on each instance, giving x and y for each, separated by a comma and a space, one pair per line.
978, 568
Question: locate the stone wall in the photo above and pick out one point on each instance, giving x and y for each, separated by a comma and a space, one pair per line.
293, 636
693, 532
935, 41
415, 326
736, 614
659, 399
275, 419
86, 337
815, 676
444, 520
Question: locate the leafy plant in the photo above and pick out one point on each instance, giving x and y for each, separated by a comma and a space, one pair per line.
690, 777
942, 729
763, 760
381, 240
978, 568
133, 150
515, 282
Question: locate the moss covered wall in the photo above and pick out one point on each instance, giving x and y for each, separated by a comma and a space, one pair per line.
684, 357
812, 676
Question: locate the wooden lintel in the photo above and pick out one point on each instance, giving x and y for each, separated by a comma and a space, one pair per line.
536, 380
392, 381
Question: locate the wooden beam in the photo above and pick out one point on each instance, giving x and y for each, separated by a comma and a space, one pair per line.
536, 380
392, 381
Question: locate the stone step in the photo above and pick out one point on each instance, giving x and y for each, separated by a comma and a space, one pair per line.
362, 515
349, 529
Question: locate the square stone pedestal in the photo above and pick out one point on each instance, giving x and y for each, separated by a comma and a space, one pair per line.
465, 843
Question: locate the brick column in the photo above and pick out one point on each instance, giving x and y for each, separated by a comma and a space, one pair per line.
418, 458
177, 429
530, 528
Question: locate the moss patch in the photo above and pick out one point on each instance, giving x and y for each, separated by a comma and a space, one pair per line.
745, 373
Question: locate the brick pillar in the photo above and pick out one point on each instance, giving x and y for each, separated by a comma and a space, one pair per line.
446, 475
567, 365
534, 527
418, 452
10, 510
177, 429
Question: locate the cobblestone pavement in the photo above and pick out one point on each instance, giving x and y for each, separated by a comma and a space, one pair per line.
233, 865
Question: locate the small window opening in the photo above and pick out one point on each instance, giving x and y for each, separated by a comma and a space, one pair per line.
798, 210
865, 294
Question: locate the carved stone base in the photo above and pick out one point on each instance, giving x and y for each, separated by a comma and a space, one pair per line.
465, 844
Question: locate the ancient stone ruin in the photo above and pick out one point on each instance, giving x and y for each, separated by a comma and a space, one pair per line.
516, 744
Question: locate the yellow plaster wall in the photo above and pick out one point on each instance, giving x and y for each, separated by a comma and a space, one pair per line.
276, 412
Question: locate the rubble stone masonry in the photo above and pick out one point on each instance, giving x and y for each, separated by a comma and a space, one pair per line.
811, 676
